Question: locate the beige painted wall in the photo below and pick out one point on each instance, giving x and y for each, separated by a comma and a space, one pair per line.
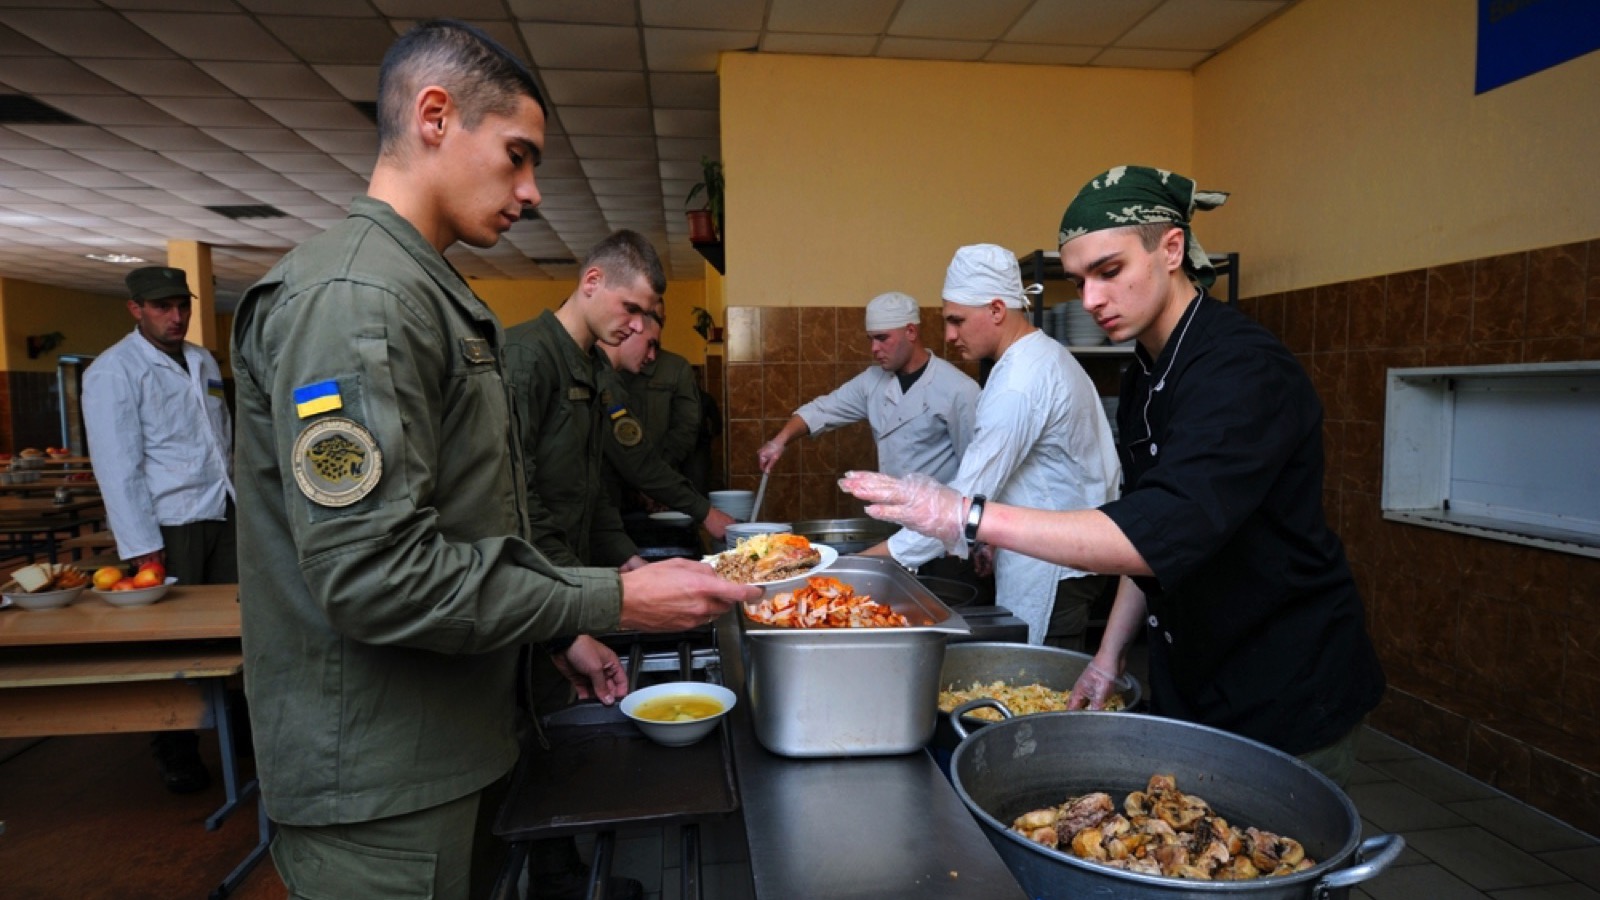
89, 323
1353, 144
850, 177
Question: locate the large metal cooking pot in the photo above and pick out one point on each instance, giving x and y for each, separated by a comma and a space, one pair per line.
988, 662
1030, 762
845, 535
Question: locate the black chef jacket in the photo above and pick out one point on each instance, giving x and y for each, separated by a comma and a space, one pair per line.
1256, 626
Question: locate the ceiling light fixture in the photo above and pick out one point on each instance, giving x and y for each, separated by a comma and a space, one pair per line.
121, 259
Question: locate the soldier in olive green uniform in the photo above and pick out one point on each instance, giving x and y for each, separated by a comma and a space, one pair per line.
667, 401
632, 461
385, 583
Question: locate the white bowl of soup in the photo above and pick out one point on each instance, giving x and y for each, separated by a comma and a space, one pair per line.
678, 713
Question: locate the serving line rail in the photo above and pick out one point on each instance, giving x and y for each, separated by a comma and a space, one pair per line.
93, 668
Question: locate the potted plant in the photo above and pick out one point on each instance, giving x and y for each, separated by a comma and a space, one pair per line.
705, 223
707, 327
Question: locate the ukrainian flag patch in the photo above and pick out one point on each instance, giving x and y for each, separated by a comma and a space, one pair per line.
316, 398
617, 412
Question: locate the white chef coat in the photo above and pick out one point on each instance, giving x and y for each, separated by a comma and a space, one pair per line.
924, 430
160, 440
1042, 441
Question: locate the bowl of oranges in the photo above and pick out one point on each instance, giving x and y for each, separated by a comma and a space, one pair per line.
144, 587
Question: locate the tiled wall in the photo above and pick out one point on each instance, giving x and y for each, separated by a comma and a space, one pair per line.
1492, 649
777, 359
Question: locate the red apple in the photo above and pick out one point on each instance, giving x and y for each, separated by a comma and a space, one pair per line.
126, 584
153, 566
146, 578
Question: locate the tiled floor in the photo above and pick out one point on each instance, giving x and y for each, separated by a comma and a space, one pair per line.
1464, 840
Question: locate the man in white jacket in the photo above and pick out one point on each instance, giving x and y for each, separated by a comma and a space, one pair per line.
1042, 435
161, 445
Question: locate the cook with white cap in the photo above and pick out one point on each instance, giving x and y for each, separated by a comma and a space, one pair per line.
920, 407
1042, 440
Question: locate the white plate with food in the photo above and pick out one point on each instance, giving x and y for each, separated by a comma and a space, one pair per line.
44, 586
768, 559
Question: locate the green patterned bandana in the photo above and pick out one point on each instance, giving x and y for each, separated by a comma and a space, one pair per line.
1135, 195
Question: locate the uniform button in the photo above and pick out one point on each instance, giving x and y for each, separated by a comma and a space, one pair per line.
1154, 622
1169, 637
1152, 449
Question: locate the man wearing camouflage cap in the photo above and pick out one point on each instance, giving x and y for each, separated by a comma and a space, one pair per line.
1255, 622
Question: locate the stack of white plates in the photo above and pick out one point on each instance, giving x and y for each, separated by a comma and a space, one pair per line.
737, 504
1081, 328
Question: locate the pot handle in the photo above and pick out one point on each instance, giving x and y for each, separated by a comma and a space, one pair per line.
1374, 855
969, 706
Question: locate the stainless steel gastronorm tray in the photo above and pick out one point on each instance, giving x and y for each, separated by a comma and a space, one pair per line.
851, 691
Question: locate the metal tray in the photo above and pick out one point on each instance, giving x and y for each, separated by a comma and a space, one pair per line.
601, 772
851, 691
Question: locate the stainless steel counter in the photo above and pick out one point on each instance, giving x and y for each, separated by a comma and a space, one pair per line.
868, 827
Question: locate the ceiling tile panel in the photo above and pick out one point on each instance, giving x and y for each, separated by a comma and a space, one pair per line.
578, 87
583, 46
820, 44
14, 44
325, 114
724, 14
685, 90
688, 123
338, 8
1079, 22
672, 50
295, 163
74, 137
266, 140
1151, 59
597, 169
591, 12
54, 75
330, 141
157, 77
427, 9
956, 19
854, 17
288, 81
95, 177
922, 48
129, 160
606, 120
44, 160
213, 163
175, 5
79, 33
689, 148
233, 112
168, 138
337, 41
1041, 54
109, 110
647, 188
1198, 24
589, 147
352, 82
225, 37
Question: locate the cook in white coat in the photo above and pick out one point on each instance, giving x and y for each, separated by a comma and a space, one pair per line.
160, 442
1042, 439
919, 406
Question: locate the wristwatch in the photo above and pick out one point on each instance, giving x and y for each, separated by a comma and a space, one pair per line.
974, 516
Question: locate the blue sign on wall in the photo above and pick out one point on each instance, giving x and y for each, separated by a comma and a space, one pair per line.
1517, 38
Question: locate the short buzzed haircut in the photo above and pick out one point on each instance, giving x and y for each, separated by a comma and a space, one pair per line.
482, 77
623, 257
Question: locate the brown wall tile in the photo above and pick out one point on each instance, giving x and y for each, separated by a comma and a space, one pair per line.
1500, 298
1299, 320
819, 334
1556, 291
1405, 318
1449, 316
1331, 306
744, 391
780, 390
780, 334
1368, 312
1591, 316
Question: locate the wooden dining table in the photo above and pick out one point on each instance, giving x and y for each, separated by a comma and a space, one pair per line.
93, 668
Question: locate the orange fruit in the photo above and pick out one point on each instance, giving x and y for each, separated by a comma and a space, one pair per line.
106, 576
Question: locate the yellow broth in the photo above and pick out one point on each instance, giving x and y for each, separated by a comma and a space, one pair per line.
677, 708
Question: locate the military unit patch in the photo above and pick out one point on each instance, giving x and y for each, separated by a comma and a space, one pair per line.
336, 462
627, 431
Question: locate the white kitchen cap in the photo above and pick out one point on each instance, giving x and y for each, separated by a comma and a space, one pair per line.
980, 273
890, 311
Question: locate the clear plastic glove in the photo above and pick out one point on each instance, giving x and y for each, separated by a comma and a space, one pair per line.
917, 501
1094, 687
768, 454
